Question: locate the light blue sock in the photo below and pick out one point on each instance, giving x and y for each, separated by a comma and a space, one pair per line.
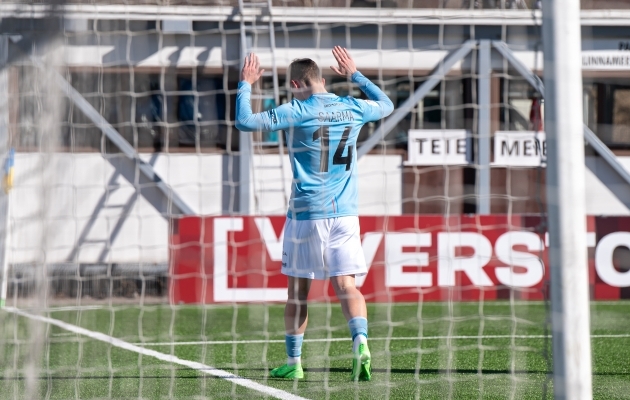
293, 344
358, 326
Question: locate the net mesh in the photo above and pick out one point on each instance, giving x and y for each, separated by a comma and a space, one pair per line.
152, 269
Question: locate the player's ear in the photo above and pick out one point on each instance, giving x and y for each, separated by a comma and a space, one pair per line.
323, 81
295, 84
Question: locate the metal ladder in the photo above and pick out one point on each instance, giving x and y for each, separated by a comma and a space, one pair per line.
251, 29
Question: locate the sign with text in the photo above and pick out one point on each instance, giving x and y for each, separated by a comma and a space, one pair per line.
409, 258
520, 149
437, 147
607, 60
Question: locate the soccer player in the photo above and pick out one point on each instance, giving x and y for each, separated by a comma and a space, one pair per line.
321, 233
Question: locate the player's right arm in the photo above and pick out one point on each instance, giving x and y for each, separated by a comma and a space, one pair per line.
380, 105
279, 118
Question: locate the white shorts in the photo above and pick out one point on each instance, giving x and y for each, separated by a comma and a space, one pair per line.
321, 248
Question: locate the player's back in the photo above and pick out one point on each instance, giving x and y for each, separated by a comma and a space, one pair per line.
322, 135
322, 147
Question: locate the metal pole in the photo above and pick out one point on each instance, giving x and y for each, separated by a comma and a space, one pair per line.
173, 203
518, 65
5, 148
570, 312
245, 138
483, 128
434, 78
596, 144
5, 253
244, 158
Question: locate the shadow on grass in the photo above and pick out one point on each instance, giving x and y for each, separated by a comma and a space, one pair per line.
433, 371
148, 377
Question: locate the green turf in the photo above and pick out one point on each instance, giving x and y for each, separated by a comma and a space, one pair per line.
75, 367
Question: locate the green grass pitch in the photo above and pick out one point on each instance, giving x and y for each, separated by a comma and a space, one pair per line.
425, 351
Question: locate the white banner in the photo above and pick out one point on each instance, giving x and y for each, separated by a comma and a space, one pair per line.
437, 147
520, 149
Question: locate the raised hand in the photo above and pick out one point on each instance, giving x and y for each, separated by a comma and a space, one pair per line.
251, 69
346, 63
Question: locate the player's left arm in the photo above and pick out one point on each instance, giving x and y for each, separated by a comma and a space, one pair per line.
248, 121
380, 105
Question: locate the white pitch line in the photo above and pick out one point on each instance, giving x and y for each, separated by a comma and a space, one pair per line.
74, 308
408, 338
206, 369
66, 308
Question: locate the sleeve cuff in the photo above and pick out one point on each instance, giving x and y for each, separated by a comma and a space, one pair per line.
243, 85
356, 76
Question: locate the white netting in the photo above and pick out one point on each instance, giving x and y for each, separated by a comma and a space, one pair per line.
146, 230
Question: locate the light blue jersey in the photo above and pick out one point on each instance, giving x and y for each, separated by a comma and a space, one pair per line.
322, 132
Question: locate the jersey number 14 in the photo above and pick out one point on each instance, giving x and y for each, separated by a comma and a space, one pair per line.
338, 157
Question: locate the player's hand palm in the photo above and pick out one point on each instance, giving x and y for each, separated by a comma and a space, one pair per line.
251, 69
346, 63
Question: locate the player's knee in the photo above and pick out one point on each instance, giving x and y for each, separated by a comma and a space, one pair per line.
344, 284
298, 294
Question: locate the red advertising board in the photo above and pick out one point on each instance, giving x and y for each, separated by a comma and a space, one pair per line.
410, 258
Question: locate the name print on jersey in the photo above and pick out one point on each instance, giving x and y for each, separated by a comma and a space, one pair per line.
335, 116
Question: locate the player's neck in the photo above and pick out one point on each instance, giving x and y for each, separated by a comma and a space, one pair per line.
306, 92
315, 89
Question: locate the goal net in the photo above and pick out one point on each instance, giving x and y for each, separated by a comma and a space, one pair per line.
142, 233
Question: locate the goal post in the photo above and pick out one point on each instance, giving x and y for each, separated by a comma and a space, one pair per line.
8, 156
570, 310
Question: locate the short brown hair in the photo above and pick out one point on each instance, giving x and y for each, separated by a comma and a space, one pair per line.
305, 70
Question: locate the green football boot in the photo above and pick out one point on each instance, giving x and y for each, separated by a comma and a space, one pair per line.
287, 371
362, 364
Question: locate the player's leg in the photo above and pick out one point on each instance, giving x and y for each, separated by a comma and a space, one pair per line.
345, 259
351, 299
354, 309
295, 320
296, 317
296, 310
302, 260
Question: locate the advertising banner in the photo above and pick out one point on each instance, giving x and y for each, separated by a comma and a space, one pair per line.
410, 258
520, 149
437, 147
451, 147
605, 60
